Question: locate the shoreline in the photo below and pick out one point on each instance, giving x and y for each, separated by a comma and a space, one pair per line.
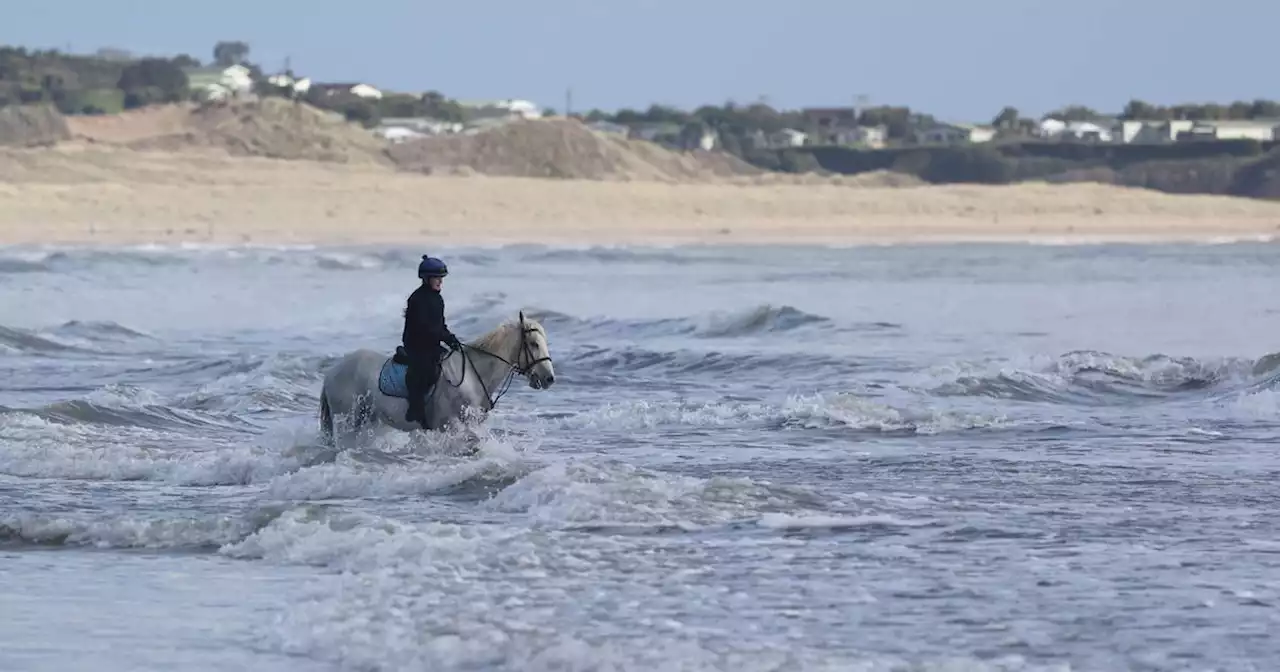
113, 197
178, 244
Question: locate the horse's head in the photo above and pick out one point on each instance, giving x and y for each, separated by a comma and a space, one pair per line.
533, 359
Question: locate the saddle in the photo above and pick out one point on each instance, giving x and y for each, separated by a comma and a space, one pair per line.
402, 357
392, 377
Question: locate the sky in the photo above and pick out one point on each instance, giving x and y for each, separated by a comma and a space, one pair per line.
960, 61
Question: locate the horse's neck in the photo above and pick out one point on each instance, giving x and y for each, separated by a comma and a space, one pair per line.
491, 370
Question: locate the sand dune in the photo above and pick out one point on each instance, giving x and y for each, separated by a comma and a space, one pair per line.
272, 171
76, 193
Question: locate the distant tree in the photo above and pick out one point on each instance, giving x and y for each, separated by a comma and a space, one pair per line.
763, 117
157, 79
362, 112
267, 89
1007, 119
186, 61
727, 118
897, 120
1075, 113
691, 134
400, 105
663, 114
437, 106
628, 116
51, 83
1239, 110
1137, 110
229, 53
1264, 109
141, 97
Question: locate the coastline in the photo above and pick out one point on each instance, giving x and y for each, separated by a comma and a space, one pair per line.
102, 196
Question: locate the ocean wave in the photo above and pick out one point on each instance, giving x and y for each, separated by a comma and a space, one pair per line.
191, 533
466, 462
35, 446
154, 416
260, 385
587, 361
53, 259
74, 337
855, 411
622, 255
221, 403
842, 411
100, 330
366, 259
560, 523
26, 341
1089, 377
764, 318
570, 496
39, 264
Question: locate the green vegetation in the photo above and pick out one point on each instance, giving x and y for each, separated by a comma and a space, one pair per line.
369, 113
1236, 167
742, 128
100, 84
112, 80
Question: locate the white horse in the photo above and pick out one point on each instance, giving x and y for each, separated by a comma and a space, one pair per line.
365, 386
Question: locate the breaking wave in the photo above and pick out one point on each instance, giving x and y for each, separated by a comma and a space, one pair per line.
761, 319
71, 337
1088, 377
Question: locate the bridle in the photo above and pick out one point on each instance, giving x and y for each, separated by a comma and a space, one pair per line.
526, 354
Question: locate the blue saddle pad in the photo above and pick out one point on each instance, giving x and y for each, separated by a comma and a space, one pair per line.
391, 379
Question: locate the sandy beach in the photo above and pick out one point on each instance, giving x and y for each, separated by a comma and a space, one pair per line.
81, 193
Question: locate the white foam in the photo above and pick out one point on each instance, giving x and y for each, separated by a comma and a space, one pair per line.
451, 597
646, 414
859, 412
31, 446
783, 521
1255, 405
807, 411
123, 531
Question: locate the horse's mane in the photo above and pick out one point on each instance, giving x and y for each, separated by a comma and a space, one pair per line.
495, 338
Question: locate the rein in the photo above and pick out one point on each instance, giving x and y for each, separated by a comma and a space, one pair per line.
513, 367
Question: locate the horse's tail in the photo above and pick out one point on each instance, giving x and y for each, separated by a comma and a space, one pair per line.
326, 419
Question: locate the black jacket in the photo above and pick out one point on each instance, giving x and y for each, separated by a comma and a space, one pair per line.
424, 326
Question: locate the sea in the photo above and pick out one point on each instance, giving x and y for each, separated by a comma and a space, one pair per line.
984, 457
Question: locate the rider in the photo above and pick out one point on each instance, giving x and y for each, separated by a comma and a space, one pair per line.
424, 330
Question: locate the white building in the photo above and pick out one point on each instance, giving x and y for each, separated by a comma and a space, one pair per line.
947, 134
366, 91
298, 87
1233, 129
420, 125
220, 83
350, 89
609, 128
508, 108
788, 137
1159, 131
1086, 131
